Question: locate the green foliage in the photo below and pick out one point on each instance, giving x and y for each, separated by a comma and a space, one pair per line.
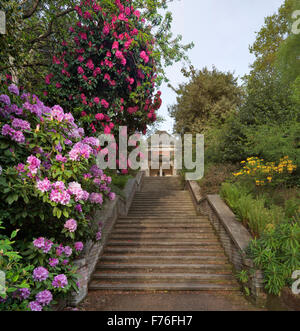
251, 211
204, 101
30, 209
35, 29
17, 272
277, 254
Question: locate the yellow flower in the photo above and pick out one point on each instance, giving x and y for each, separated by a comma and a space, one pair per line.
269, 179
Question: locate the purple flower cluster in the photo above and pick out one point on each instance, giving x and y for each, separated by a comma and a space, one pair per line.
80, 149
43, 185
61, 158
23, 293
76, 189
68, 251
57, 113
91, 141
44, 244
71, 225
21, 124
53, 262
96, 198
40, 274
78, 246
44, 298
60, 281
13, 89
5, 99
33, 164
62, 197
35, 306
15, 135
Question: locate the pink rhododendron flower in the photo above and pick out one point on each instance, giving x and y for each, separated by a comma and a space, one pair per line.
78, 246
57, 113
71, 225
33, 164
104, 103
60, 281
43, 185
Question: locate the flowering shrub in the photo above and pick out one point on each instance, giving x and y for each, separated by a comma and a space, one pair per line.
48, 275
50, 184
17, 278
267, 173
106, 76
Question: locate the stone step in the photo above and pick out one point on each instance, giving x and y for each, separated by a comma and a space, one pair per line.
162, 215
164, 277
142, 226
184, 259
165, 267
194, 218
163, 236
139, 231
163, 287
166, 210
163, 221
163, 251
169, 243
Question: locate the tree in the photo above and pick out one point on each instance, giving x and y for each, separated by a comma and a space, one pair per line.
106, 74
35, 27
204, 101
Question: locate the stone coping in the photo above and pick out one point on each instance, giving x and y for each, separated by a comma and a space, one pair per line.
238, 233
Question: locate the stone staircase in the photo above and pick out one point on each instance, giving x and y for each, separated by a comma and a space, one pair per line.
163, 245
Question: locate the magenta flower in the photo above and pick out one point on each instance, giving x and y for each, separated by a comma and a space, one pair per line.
78, 246
13, 89
60, 281
40, 274
68, 251
35, 306
43, 185
23, 293
96, 198
21, 124
53, 262
7, 130
44, 297
33, 164
71, 225
112, 196
57, 113
18, 137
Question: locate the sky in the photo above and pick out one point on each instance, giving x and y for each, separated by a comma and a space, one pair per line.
222, 31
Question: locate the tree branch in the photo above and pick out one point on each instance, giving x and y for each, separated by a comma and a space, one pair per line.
32, 11
27, 65
49, 30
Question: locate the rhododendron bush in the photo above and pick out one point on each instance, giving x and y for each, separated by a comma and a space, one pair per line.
37, 282
106, 75
50, 185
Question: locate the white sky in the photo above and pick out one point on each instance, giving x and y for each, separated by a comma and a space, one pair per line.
222, 31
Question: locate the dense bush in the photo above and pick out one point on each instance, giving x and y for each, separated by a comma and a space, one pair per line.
252, 211
37, 278
277, 254
106, 75
50, 184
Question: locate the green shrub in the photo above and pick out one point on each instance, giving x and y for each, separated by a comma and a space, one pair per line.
277, 254
252, 212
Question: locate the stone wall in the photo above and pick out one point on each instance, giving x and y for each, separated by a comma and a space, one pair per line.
234, 237
92, 252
